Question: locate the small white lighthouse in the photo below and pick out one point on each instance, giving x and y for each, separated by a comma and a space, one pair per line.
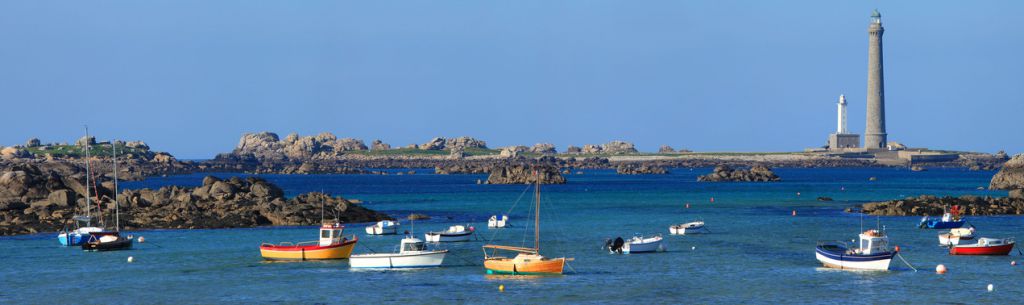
841, 128
842, 140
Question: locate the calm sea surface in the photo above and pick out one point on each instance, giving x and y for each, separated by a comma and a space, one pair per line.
757, 252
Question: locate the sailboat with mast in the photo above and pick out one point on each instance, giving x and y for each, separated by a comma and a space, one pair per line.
83, 223
527, 261
110, 240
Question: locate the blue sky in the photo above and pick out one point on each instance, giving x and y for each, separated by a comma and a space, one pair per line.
190, 77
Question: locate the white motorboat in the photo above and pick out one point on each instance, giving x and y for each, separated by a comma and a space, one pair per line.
413, 253
496, 222
872, 254
693, 227
956, 236
454, 233
637, 244
383, 227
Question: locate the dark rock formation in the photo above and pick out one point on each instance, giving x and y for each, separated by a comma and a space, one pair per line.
524, 174
573, 150
934, 206
757, 173
639, 169
378, 145
462, 168
665, 149
34, 199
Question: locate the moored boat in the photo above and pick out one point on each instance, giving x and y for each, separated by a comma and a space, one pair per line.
693, 227
412, 254
949, 220
637, 244
527, 261
330, 246
985, 246
496, 222
453, 234
83, 228
872, 254
107, 241
383, 227
956, 236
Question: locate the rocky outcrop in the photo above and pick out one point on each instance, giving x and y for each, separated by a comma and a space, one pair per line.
378, 145
573, 150
524, 174
935, 206
33, 199
1011, 176
543, 148
639, 169
665, 149
33, 142
267, 146
619, 147
592, 149
14, 153
757, 173
449, 143
513, 151
461, 168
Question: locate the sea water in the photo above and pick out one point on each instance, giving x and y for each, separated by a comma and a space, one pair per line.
756, 252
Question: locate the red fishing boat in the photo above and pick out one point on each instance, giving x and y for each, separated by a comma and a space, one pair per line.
984, 246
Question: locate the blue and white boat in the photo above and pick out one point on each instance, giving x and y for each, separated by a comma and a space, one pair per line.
83, 229
83, 224
948, 221
872, 254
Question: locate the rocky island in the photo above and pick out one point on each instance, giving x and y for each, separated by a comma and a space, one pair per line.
524, 174
757, 173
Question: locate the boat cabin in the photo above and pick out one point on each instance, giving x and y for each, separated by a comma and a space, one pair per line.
873, 242
331, 234
411, 244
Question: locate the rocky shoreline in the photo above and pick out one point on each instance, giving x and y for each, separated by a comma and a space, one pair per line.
1010, 177
524, 174
34, 199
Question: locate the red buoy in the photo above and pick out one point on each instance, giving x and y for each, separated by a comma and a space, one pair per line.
897, 248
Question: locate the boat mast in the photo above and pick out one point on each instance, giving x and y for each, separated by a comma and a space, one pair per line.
117, 212
536, 221
88, 202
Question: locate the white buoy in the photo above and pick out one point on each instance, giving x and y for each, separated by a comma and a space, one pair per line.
142, 239
940, 269
990, 287
131, 259
693, 248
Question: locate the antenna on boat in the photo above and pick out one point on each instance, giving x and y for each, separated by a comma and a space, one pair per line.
322, 206
862, 221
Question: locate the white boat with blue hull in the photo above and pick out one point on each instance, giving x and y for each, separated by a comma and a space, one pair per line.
872, 254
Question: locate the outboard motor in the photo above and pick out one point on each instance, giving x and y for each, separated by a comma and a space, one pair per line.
616, 246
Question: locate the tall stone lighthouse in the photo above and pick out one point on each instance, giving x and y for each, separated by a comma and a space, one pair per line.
874, 132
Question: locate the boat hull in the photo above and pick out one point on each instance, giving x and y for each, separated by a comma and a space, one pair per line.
312, 252
119, 244
685, 229
503, 265
953, 240
376, 230
71, 239
420, 259
653, 245
840, 260
975, 250
939, 224
440, 237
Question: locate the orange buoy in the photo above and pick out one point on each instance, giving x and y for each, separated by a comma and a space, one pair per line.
941, 269
897, 248
501, 288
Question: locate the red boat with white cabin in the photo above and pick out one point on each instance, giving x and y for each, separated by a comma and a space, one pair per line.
984, 246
